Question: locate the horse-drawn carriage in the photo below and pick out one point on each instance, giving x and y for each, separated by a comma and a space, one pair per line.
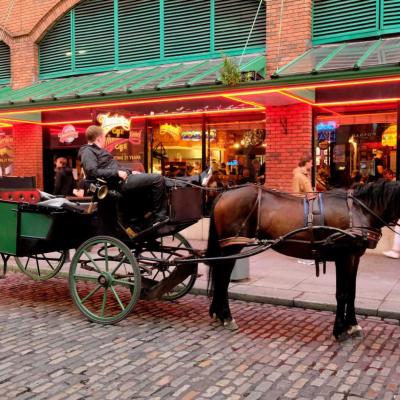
110, 271
115, 261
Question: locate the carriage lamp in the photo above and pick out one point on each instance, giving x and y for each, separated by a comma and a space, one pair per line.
99, 189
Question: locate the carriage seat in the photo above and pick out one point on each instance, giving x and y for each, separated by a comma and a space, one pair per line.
65, 204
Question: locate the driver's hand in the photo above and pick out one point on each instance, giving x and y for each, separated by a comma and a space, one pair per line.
135, 172
123, 175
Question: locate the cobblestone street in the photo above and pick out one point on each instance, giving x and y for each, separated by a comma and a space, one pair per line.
173, 351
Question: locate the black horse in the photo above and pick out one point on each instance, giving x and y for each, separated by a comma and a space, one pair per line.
352, 223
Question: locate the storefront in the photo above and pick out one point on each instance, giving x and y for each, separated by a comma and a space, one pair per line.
229, 137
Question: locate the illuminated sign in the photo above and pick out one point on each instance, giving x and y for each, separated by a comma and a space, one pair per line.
116, 124
326, 131
389, 136
196, 135
170, 129
68, 134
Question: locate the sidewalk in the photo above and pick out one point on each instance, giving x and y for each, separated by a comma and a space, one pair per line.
281, 280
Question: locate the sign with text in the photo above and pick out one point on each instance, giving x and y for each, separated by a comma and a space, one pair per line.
128, 151
68, 136
114, 125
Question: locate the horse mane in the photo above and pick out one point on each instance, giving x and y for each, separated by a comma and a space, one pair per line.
381, 195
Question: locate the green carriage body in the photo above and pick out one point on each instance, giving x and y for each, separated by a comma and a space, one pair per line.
28, 229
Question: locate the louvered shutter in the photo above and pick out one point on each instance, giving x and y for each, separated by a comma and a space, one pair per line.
5, 71
335, 20
139, 30
391, 16
233, 21
55, 48
94, 34
186, 27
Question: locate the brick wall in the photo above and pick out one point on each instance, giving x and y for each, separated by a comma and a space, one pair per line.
289, 136
28, 152
288, 31
288, 36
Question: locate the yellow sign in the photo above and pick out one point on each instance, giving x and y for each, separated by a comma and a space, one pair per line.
169, 129
110, 122
389, 136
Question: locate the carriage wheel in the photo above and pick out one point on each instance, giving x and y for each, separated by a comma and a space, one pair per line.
159, 272
42, 266
104, 280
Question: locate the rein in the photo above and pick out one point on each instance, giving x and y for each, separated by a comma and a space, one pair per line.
208, 189
373, 213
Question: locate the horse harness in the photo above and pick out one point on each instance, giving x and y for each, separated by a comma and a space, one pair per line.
314, 218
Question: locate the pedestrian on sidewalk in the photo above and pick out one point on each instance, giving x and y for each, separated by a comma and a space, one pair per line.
388, 175
395, 251
302, 184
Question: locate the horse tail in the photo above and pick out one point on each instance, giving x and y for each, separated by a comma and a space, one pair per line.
213, 250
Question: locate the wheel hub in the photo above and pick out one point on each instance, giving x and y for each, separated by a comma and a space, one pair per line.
105, 279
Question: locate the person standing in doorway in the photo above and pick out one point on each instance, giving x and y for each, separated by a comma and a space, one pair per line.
64, 181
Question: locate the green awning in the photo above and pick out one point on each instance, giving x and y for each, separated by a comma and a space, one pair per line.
139, 80
355, 56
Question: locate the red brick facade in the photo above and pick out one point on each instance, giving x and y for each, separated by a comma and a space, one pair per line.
288, 28
29, 152
288, 138
288, 31
289, 128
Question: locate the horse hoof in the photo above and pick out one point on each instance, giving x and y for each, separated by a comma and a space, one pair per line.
214, 317
355, 331
342, 337
231, 325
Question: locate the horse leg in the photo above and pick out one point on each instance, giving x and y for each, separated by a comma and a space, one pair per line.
353, 329
340, 327
219, 308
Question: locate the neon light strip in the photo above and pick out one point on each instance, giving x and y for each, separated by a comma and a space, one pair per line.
183, 114
5, 125
114, 103
303, 100
296, 97
358, 102
23, 121
251, 103
243, 92
196, 113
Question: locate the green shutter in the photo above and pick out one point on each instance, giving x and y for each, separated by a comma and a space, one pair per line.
55, 48
390, 16
186, 27
94, 34
139, 32
233, 22
336, 20
5, 71
99, 35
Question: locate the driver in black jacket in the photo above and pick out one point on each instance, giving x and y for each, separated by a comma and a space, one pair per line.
99, 163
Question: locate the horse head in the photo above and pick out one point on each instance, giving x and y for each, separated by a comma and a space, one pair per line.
380, 201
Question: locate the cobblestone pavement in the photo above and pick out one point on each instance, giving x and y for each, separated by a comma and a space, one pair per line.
173, 351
